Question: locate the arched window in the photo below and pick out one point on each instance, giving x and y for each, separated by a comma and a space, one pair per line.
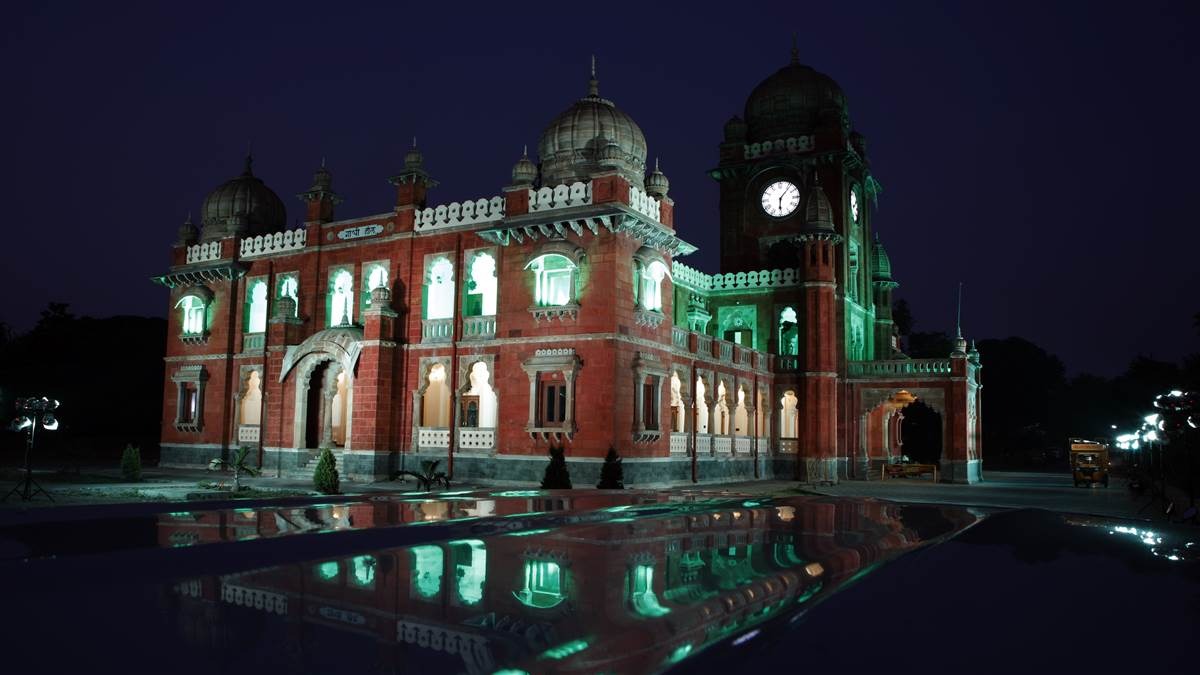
439, 289
543, 584
194, 315
789, 332
677, 407
256, 307
651, 285
481, 286
554, 280
289, 287
470, 570
435, 406
426, 571
741, 416
479, 403
701, 407
341, 298
787, 419
376, 276
641, 592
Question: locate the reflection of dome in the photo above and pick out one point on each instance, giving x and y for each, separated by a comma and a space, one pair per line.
243, 205
793, 102
589, 137
881, 265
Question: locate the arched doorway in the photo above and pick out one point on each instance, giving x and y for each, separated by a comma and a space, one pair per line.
321, 370
921, 433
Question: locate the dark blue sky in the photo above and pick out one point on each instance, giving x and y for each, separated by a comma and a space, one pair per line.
1043, 153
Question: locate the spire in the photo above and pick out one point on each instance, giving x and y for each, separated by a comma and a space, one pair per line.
593, 83
249, 159
958, 317
795, 48
414, 142
525, 151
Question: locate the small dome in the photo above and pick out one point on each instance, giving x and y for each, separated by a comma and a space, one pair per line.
243, 205
818, 214
657, 183
589, 137
881, 265
793, 102
322, 179
735, 130
524, 171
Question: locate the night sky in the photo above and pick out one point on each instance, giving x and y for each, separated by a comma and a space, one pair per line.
1042, 153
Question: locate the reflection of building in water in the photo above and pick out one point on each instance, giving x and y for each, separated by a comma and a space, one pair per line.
624, 595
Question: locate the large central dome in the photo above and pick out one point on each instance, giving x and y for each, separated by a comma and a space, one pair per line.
793, 102
589, 137
242, 205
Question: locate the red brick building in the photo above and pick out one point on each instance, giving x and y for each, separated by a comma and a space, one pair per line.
557, 312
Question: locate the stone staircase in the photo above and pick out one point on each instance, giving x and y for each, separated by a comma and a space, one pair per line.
306, 472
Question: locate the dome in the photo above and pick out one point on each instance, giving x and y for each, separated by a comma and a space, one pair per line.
881, 265
657, 184
589, 137
793, 102
818, 214
242, 205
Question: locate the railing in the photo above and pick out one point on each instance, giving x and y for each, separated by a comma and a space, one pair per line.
742, 445
743, 357
248, 433
703, 444
787, 362
560, 197
704, 344
899, 367
725, 350
679, 337
433, 437
253, 342
799, 144
722, 445
733, 281
270, 244
645, 204
460, 213
479, 327
437, 330
475, 438
679, 443
206, 252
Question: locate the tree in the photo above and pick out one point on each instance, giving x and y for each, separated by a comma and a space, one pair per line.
238, 463
612, 475
325, 477
902, 317
556, 477
131, 463
929, 345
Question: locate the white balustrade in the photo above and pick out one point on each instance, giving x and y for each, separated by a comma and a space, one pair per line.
645, 204
479, 327
733, 281
206, 252
437, 330
725, 350
788, 145
742, 445
703, 444
899, 367
475, 438
679, 443
460, 213
704, 344
271, 244
433, 437
722, 445
560, 196
248, 433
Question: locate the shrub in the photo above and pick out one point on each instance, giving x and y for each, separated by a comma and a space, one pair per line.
556, 477
325, 478
131, 464
612, 476
238, 463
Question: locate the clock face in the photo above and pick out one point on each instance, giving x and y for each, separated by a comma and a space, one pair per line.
780, 198
854, 204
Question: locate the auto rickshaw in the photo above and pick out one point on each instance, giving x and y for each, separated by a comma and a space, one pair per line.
1089, 464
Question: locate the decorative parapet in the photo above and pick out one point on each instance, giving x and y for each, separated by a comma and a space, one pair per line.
560, 197
725, 350
679, 337
787, 363
782, 145
704, 344
679, 443
648, 318
253, 342
433, 437
437, 330
270, 244
479, 327
733, 281
455, 214
744, 357
899, 368
645, 204
560, 312
474, 438
652, 234
206, 252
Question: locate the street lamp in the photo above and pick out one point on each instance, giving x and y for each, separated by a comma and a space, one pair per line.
1178, 417
31, 414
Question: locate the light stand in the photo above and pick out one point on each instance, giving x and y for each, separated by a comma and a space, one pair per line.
35, 412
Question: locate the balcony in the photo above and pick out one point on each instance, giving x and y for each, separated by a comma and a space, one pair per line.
679, 337
475, 438
900, 368
479, 327
437, 330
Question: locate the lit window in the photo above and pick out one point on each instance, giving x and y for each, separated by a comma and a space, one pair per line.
439, 289
193, 316
481, 287
256, 307
641, 592
470, 570
376, 277
289, 287
341, 292
189, 403
543, 584
789, 332
363, 571
327, 571
554, 280
651, 285
427, 570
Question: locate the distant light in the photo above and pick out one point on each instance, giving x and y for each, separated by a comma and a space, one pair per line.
748, 636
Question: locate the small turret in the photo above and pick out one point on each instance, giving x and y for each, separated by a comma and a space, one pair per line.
818, 214
524, 172
657, 184
188, 232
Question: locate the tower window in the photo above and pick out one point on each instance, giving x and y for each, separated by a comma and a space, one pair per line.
193, 314
651, 285
256, 306
439, 288
289, 287
554, 280
481, 287
341, 294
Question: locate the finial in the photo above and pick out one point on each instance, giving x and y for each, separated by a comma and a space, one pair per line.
249, 156
593, 84
322, 162
958, 319
414, 141
189, 219
525, 151
795, 49
656, 163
